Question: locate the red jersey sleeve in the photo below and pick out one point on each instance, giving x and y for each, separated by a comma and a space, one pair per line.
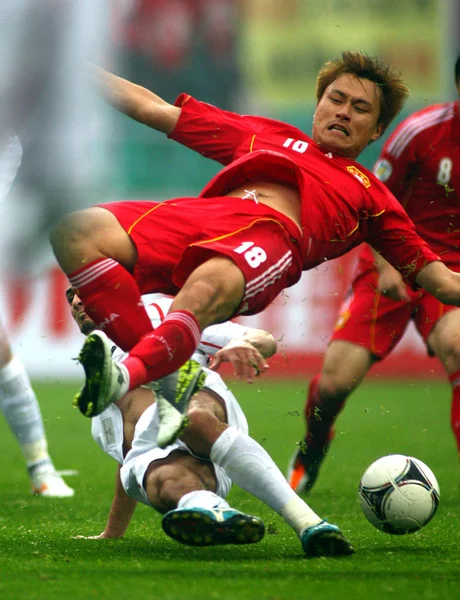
393, 234
213, 132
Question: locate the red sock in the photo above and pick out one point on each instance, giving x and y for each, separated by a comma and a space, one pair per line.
320, 417
112, 300
455, 408
163, 351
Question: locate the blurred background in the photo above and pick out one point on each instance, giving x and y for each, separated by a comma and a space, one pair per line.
253, 56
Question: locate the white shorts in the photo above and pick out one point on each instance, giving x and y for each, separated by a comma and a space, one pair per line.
144, 448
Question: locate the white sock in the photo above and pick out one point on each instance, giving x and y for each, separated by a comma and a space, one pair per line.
252, 469
202, 499
19, 405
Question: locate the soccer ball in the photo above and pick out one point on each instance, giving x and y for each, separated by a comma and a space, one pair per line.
399, 494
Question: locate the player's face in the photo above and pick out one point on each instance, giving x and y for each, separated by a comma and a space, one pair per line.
85, 324
346, 118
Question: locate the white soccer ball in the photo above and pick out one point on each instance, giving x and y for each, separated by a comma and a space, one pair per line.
399, 494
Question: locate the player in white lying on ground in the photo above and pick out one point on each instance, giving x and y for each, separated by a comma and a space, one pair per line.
188, 480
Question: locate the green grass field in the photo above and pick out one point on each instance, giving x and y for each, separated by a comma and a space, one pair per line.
40, 560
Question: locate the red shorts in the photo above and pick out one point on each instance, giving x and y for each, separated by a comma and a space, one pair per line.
377, 323
174, 237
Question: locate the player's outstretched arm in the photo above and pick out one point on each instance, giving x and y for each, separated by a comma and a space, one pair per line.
136, 101
440, 281
121, 512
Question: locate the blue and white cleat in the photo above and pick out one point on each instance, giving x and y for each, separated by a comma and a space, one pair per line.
212, 527
325, 539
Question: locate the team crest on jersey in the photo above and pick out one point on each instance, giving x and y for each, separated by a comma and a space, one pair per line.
383, 170
364, 179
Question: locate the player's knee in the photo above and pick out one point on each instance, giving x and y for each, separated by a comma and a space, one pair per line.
213, 291
200, 434
335, 387
209, 301
201, 419
71, 231
451, 354
171, 483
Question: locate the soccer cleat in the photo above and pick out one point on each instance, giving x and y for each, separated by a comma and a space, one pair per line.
303, 468
212, 527
325, 539
173, 394
50, 484
105, 382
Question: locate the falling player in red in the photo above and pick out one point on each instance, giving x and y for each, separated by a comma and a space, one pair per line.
284, 203
420, 164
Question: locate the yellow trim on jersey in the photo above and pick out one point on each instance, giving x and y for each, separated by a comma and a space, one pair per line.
222, 237
251, 145
353, 230
377, 215
144, 215
357, 225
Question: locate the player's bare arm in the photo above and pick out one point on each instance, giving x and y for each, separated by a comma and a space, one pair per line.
390, 281
120, 515
439, 280
137, 102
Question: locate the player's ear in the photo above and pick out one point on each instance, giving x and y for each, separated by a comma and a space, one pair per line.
377, 133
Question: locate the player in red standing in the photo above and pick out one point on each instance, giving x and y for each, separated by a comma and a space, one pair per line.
420, 164
285, 203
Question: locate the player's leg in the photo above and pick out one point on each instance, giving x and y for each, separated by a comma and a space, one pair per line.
189, 489
96, 239
444, 340
368, 328
21, 410
214, 289
98, 256
217, 279
185, 488
249, 466
345, 366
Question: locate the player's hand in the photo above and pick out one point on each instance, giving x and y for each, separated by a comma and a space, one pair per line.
101, 536
246, 360
391, 284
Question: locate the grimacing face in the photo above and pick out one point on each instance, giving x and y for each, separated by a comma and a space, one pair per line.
346, 117
85, 324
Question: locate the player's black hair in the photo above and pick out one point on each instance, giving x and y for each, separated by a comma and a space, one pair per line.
457, 70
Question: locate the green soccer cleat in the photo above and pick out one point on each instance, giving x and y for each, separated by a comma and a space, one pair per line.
173, 394
212, 527
325, 539
105, 382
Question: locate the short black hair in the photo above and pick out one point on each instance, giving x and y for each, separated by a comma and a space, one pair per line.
457, 70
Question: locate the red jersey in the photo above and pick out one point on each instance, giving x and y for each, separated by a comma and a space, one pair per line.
342, 203
420, 164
